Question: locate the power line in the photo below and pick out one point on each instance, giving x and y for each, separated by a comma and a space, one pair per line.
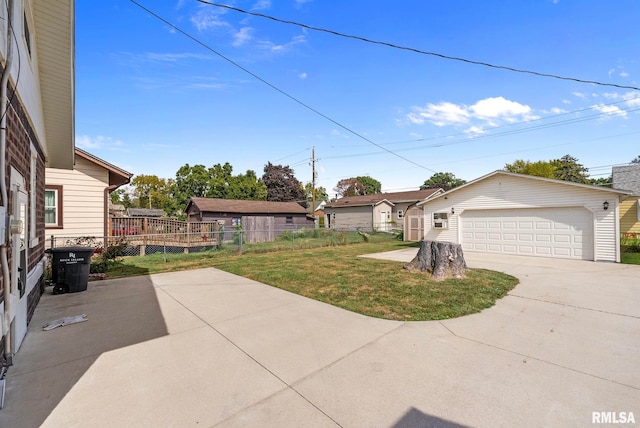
415, 50
272, 86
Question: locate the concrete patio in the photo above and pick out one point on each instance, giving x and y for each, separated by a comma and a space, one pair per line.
207, 348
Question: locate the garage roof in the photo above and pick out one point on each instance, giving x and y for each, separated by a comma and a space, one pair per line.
531, 177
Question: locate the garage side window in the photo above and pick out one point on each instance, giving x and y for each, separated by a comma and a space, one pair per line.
440, 220
53, 207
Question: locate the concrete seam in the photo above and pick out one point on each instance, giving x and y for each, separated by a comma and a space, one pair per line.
254, 360
574, 306
538, 359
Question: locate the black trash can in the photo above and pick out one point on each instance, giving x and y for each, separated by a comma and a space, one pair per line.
70, 268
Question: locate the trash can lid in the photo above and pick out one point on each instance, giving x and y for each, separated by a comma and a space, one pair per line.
72, 248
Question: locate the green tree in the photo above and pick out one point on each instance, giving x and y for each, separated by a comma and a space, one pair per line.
150, 191
121, 196
569, 169
545, 169
282, 185
442, 180
321, 193
246, 186
602, 181
636, 160
370, 185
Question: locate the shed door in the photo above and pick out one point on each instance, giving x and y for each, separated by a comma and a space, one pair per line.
545, 232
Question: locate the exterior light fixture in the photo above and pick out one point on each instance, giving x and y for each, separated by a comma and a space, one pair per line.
605, 205
453, 211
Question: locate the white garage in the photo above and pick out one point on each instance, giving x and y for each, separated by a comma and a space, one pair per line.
548, 232
507, 213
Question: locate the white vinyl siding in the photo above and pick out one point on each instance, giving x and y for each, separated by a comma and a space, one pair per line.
83, 198
503, 191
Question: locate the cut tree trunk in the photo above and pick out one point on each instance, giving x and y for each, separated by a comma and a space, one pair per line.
441, 259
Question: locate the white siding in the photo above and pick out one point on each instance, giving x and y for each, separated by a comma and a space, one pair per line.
505, 191
83, 198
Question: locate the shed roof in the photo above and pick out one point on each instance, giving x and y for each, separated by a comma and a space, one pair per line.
145, 212
238, 206
393, 197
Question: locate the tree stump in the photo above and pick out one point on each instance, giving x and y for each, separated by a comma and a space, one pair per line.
441, 259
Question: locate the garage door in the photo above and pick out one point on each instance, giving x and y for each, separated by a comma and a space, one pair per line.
548, 232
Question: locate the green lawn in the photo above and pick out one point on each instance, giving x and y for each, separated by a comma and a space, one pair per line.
630, 258
336, 275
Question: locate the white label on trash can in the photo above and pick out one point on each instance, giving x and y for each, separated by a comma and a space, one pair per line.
72, 259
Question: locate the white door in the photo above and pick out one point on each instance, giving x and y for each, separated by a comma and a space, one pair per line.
545, 232
19, 270
383, 221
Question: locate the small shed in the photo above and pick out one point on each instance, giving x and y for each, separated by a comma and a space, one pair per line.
284, 215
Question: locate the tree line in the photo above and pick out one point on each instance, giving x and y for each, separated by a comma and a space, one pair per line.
278, 183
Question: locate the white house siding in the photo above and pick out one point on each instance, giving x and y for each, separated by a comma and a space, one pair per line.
511, 192
83, 198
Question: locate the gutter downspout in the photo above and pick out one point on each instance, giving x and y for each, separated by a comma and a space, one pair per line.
4, 259
107, 191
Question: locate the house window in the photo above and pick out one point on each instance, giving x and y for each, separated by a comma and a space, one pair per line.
27, 34
235, 221
400, 213
53, 207
289, 220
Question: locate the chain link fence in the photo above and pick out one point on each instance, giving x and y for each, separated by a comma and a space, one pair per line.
235, 240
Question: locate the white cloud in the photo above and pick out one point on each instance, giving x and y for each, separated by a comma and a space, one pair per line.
208, 17
242, 36
300, 3
609, 110
475, 130
100, 141
624, 74
302, 75
611, 71
261, 5
441, 114
579, 95
296, 40
499, 107
172, 57
486, 112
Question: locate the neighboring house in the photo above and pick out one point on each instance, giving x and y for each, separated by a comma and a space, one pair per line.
286, 215
627, 177
380, 211
145, 212
507, 213
36, 130
77, 200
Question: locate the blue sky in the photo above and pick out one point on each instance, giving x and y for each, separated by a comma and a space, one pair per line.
149, 99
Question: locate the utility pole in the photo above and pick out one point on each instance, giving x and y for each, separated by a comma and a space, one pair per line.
314, 175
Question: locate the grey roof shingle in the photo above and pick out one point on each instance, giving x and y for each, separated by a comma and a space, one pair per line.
393, 197
238, 206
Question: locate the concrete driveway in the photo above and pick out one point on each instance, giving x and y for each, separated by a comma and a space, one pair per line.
207, 348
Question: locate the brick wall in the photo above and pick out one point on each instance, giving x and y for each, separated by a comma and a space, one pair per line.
20, 137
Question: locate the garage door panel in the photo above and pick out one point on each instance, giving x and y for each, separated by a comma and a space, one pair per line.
548, 232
